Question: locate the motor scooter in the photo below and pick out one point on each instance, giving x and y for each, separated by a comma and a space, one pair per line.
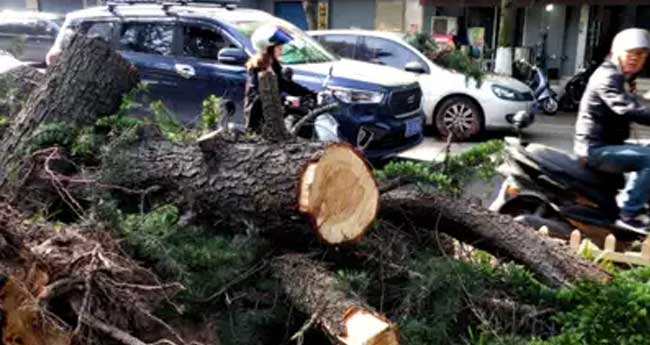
549, 187
545, 98
572, 91
311, 118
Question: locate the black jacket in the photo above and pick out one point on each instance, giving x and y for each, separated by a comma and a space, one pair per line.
252, 101
607, 111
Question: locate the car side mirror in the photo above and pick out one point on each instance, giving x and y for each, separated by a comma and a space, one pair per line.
415, 67
232, 56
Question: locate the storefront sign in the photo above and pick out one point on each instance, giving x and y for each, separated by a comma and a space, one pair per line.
477, 37
323, 15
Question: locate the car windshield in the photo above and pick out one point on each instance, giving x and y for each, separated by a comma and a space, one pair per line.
301, 50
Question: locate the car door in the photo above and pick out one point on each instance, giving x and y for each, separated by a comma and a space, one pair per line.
200, 47
342, 45
392, 53
150, 45
19, 37
9, 37
38, 36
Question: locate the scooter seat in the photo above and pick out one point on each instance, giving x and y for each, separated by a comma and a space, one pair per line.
561, 162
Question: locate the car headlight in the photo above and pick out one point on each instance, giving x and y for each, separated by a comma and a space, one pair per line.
505, 93
353, 96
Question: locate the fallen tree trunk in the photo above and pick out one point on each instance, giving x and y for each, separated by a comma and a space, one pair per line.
344, 317
276, 186
88, 80
498, 234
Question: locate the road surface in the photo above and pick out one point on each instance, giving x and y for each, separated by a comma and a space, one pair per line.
556, 131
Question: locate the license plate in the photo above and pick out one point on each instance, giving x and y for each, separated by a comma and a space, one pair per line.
413, 127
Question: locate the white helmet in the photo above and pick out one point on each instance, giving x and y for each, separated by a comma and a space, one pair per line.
269, 35
629, 39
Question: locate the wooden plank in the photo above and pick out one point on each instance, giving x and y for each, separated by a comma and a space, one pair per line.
610, 243
574, 243
645, 248
626, 258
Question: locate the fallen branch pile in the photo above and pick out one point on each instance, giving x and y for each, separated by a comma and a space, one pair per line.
316, 204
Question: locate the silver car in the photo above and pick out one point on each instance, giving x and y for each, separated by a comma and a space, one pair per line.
28, 35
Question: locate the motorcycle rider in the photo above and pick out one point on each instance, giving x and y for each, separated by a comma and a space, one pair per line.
268, 41
606, 112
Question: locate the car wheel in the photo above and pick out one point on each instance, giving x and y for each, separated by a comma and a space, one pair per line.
459, 116
550, 106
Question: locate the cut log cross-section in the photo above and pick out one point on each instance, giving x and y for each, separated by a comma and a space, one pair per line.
279, 187
346, 318
338, 195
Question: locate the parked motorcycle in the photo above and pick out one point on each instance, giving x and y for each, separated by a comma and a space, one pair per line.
548, 187
571, 94
546, 99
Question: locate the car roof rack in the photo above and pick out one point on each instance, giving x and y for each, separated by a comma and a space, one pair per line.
167, 4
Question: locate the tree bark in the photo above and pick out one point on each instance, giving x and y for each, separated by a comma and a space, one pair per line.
15, 86
86, 81
273, 128
276, 186
318, 293
503, 63
494, 233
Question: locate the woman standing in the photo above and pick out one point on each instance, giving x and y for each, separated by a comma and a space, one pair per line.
268, 41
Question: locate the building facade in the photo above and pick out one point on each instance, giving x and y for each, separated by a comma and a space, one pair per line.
55, 6
389, 15
560, 35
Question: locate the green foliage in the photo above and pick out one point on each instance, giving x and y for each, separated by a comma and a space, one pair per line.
436, 299
4, 121
461, 62
485, 337
424, 43
614, 313
52, 134
211, 113
207, 262
450, 177
171, 128
358, 281
419, 172
204, 262
86, 143
455, 60
118, 124
129, 101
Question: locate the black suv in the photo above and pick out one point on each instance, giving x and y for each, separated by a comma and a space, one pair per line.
187, 52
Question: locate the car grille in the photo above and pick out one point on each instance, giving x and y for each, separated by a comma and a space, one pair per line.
405, 101
392, 141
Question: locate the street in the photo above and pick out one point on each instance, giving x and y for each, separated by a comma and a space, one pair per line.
555, 131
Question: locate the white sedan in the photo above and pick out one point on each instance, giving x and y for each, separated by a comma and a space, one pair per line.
451, 101
8, 62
